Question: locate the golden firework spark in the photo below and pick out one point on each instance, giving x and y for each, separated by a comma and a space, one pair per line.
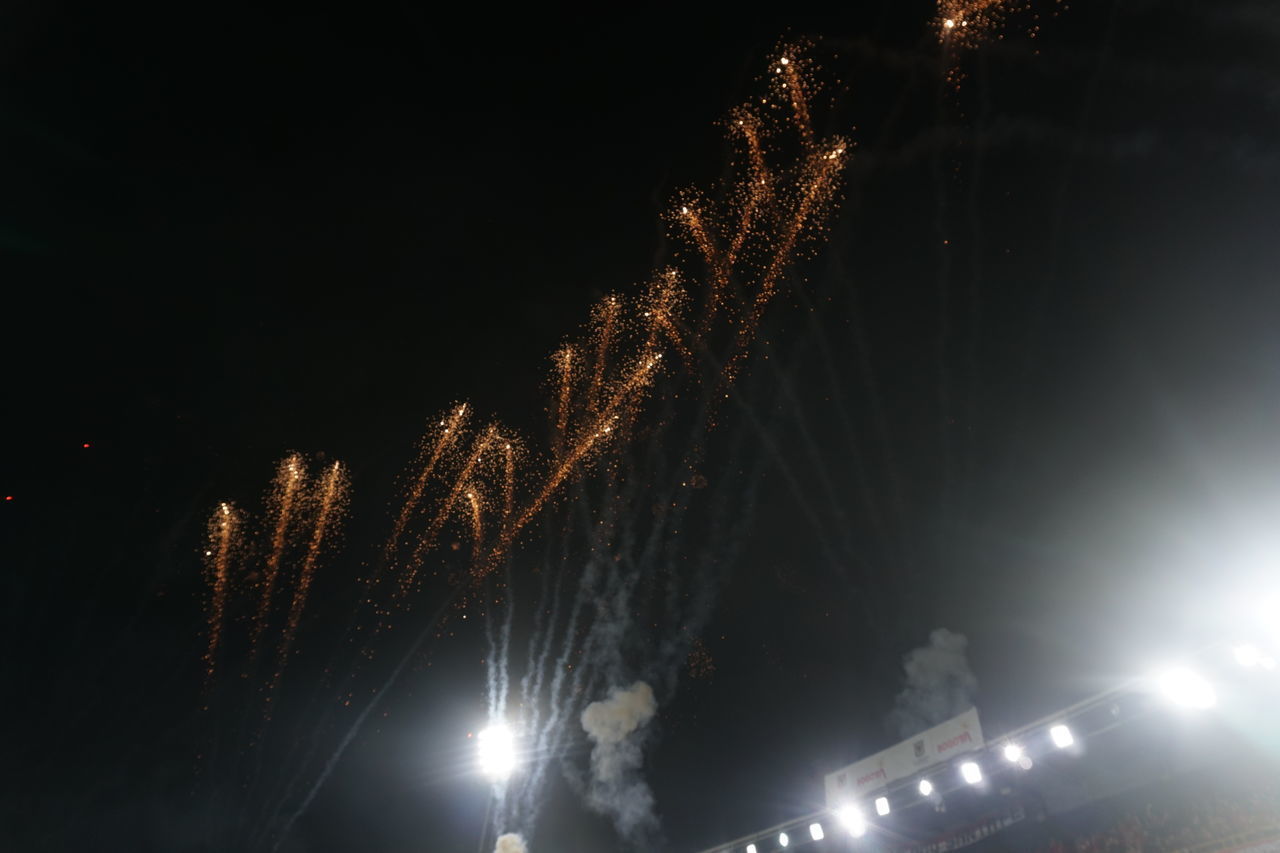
330, 500
566, 361
606, 321
223, 541
745, 236
427, 540
435, 444
283, 502
968, 24
476, 504
769, 214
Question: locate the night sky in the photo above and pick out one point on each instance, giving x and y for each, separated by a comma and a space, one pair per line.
1027, 389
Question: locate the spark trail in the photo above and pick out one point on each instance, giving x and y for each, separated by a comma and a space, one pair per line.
331, 501
486, 487
289, 485
223, 544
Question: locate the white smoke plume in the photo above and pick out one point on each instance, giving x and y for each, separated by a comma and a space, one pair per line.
510, 843
616, 728
939, 684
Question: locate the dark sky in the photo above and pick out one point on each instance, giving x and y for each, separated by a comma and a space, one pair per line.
230, 233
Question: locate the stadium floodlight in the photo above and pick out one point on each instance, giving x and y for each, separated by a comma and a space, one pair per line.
497, 748
751, 848
882, 806
1247, 655
1183, 687
852, 820
784, 840
971, 772
1013, 753
926, 787
1061, 736
815, 832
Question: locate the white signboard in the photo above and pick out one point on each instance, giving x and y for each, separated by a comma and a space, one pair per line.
939, 744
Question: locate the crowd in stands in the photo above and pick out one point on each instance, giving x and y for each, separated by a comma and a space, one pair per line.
1209, 822
1181, 815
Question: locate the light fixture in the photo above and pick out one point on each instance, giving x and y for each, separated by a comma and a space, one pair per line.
1013, 752
815, 832
1183, 687
882, 806
783, 839
497, 752
1061, 736
751, 848
926, 787
852, 820
971, 772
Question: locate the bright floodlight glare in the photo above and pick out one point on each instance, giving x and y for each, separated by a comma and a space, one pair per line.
1247, 655
851, 819
971, 772
1062, 737
882, 806
1012, 752
1183, 687
497, 752
751, 848
783, 839
926, 787
815, 832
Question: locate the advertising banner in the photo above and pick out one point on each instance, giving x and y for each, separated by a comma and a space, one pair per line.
937, 745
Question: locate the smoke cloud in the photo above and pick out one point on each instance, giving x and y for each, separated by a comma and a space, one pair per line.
616, 728
938, 685
510, 843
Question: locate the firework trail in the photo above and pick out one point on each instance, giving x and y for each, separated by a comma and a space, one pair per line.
486, 486
968, 23
461, 486
566, 362
629, 577
450, 429
224, 530
607, 319
330, 503
288, 488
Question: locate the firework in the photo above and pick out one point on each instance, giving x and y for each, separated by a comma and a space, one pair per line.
971, 23
222, 546
330, 502
489, 487
461, 483
283, 502
434, 447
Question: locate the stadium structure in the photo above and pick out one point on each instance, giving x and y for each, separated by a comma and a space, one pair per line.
1178, 760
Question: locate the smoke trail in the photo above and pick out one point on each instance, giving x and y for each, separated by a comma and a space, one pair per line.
939, 683
510, 843
429, 628
615, 726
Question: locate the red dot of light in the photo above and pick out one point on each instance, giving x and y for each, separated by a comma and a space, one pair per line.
8, 497
86, 444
